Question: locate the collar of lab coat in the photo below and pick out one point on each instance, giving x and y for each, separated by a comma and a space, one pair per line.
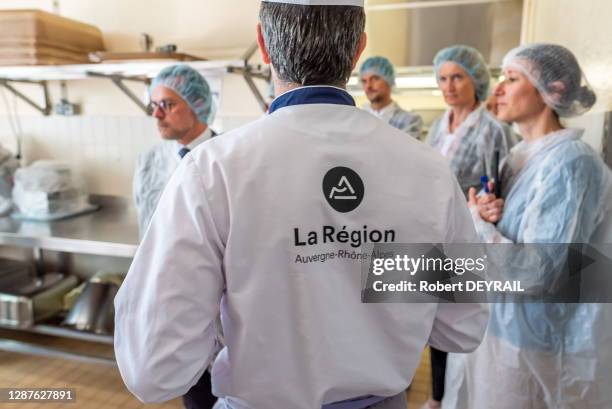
204, 136
318, 94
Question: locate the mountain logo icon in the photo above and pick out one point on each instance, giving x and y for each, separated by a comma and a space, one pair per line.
340, 192
343, 189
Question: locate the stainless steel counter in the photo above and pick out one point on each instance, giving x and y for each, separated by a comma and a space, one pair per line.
110, 231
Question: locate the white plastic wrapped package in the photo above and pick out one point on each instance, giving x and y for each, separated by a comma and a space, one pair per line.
45, 176
46, 190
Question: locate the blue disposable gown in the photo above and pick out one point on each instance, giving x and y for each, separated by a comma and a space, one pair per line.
557, 190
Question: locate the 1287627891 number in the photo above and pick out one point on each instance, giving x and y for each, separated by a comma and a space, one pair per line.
14, 395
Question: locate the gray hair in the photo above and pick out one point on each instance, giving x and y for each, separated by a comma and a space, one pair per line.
312, 45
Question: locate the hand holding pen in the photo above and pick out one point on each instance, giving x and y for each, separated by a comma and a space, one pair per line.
489, 206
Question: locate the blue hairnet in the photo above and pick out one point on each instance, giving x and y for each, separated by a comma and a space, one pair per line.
379, 66
556, 74
191, 86
472, 62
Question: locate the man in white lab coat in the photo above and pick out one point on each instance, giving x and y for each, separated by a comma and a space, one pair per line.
240, 222
181, 103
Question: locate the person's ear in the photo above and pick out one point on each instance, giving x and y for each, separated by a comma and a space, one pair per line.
263, 50
363, 40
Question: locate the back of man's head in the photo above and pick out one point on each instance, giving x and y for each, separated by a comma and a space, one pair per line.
312, 45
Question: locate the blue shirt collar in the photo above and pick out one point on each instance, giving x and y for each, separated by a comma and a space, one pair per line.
318, 94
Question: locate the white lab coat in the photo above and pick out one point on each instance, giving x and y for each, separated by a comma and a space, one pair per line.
223, 237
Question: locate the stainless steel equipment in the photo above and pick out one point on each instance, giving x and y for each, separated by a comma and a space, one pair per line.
14, 274
94, 310
41, 298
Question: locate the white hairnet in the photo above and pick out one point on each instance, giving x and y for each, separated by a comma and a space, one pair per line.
555, 72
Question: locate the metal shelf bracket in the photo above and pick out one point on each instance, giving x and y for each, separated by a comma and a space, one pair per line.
118, 81
249, 72
45, 110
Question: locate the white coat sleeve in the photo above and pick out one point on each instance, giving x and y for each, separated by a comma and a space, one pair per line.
459, 327
168, 303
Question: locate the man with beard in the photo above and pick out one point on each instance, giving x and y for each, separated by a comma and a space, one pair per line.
378, 79
181, 101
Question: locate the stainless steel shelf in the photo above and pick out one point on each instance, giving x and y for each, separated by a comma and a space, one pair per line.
110, 231
32, 349
70, 333
148, 68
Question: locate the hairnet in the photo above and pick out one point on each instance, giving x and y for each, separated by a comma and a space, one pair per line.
555, 72
191, 86
379, 66
472, 62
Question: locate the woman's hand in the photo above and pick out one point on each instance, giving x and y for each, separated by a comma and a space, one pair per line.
489, 207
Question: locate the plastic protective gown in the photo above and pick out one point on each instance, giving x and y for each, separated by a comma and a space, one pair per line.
8, 166
474, 143
153, 170
538, 356
405, 121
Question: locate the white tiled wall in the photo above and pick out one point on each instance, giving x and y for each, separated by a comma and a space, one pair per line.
102, 150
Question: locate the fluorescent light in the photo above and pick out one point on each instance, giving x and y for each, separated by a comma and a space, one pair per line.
427, 4
416, 82
405, 82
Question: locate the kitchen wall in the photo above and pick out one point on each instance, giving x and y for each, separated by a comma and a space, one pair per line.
584, 27
101, 149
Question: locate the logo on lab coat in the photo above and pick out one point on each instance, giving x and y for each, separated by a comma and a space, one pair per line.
343, 189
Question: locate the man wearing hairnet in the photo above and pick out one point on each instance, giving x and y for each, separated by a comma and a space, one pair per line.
181, 102
377, 76
243, 227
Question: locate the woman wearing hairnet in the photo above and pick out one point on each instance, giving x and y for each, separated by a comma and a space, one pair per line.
556, 190
468, 136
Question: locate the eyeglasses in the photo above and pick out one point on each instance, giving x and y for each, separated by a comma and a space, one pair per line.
165, 105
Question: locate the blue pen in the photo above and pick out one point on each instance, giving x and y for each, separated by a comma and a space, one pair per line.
484, 181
